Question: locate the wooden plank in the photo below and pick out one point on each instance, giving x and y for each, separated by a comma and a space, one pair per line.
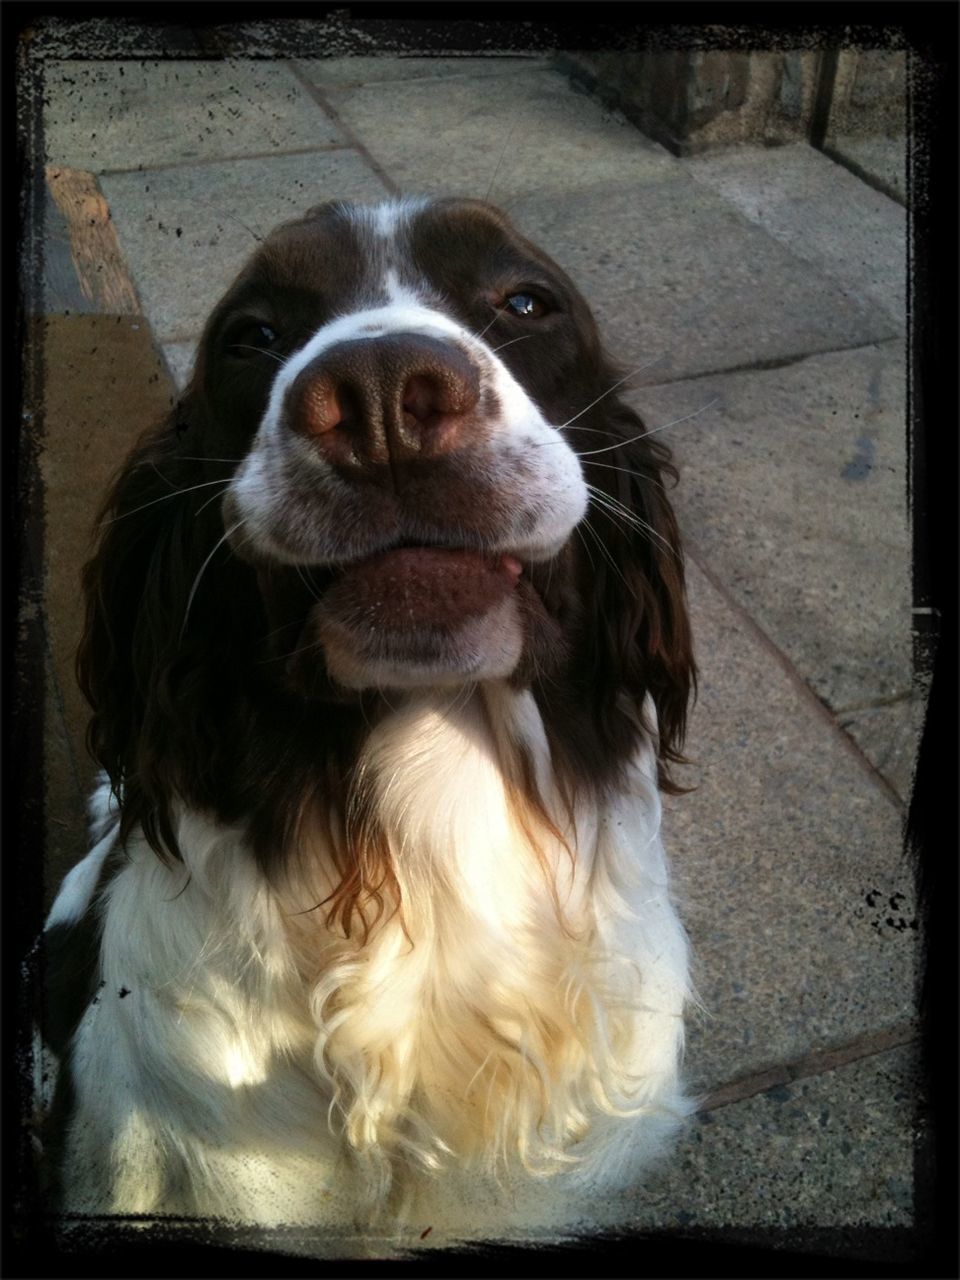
94, 248
104, 382
60, 292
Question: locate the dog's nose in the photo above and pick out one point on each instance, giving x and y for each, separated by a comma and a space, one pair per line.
385, 402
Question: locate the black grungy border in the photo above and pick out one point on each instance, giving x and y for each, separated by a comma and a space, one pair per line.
929, 31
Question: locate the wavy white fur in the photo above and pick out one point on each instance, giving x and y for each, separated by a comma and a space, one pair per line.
488, 1060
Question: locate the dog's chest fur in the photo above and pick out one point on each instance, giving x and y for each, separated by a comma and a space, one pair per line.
491, 1025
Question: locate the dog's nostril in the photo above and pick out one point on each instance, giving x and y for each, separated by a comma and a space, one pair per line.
320, 407
326, 404
426, 400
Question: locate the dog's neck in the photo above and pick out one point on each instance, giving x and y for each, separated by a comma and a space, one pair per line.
496, 922
447, 780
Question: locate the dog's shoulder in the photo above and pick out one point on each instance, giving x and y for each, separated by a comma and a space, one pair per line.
70, 945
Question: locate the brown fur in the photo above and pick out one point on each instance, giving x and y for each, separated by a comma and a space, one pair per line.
209, 710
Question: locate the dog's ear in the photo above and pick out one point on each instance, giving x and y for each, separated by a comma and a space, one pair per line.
137, 657
637, 629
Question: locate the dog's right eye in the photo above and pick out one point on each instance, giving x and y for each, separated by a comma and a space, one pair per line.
251, 339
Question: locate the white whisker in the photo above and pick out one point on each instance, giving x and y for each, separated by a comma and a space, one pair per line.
206, 504
196, 582
503, 152
586, 546
247, 346
307, 582
617, 511
166, 480
183, 457
511, 342
656, 431
489, 325
609, 391
282, 657
166, 498
605, 552
630, 471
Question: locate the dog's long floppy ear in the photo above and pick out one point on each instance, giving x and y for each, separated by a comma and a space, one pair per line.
140, 662
637, 633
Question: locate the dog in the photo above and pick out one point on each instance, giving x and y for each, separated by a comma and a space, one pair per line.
389, 661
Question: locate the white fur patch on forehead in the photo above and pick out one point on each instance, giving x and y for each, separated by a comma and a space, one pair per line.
387, 219
401, 295
388, 216
381, 230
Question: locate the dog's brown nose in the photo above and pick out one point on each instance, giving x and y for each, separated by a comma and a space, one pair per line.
384, 403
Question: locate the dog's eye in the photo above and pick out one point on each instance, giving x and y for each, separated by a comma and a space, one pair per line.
526, 305
251, 339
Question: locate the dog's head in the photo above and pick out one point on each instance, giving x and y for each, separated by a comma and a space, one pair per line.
400, 462
394, 457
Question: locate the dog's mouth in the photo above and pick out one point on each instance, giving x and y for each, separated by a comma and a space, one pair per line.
407, 615
411, 587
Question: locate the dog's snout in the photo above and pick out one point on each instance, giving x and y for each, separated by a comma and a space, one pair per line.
384, 402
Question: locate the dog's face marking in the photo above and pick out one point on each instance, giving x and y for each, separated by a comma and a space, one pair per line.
376, 480
397, 456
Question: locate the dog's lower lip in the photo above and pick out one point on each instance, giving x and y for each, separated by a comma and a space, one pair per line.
416, 587
427, 552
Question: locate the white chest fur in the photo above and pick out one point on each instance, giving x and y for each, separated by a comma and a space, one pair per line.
519, 1025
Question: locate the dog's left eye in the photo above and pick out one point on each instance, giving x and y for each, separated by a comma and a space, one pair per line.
251, 339
527, 305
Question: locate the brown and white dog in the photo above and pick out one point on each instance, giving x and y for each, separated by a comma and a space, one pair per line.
388, 655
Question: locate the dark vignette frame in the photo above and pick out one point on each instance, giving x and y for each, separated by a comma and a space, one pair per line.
929, 31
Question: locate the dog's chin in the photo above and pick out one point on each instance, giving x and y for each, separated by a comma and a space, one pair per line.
416, 617
482, 648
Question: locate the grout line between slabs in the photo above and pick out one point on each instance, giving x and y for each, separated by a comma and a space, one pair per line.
891, 700
199, 162
193, 337
764, 366
874, 180
796, 679
761, 366
529, 65
819, 1062
353, 140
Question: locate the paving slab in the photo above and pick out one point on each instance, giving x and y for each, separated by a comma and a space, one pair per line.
834, 1150
347, 72
890, 736
187, 231
793, 490
678, 276
496, 136
824, 1160
179, 357
854, 235
879, 156
60, 289
132, 115
788, 864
